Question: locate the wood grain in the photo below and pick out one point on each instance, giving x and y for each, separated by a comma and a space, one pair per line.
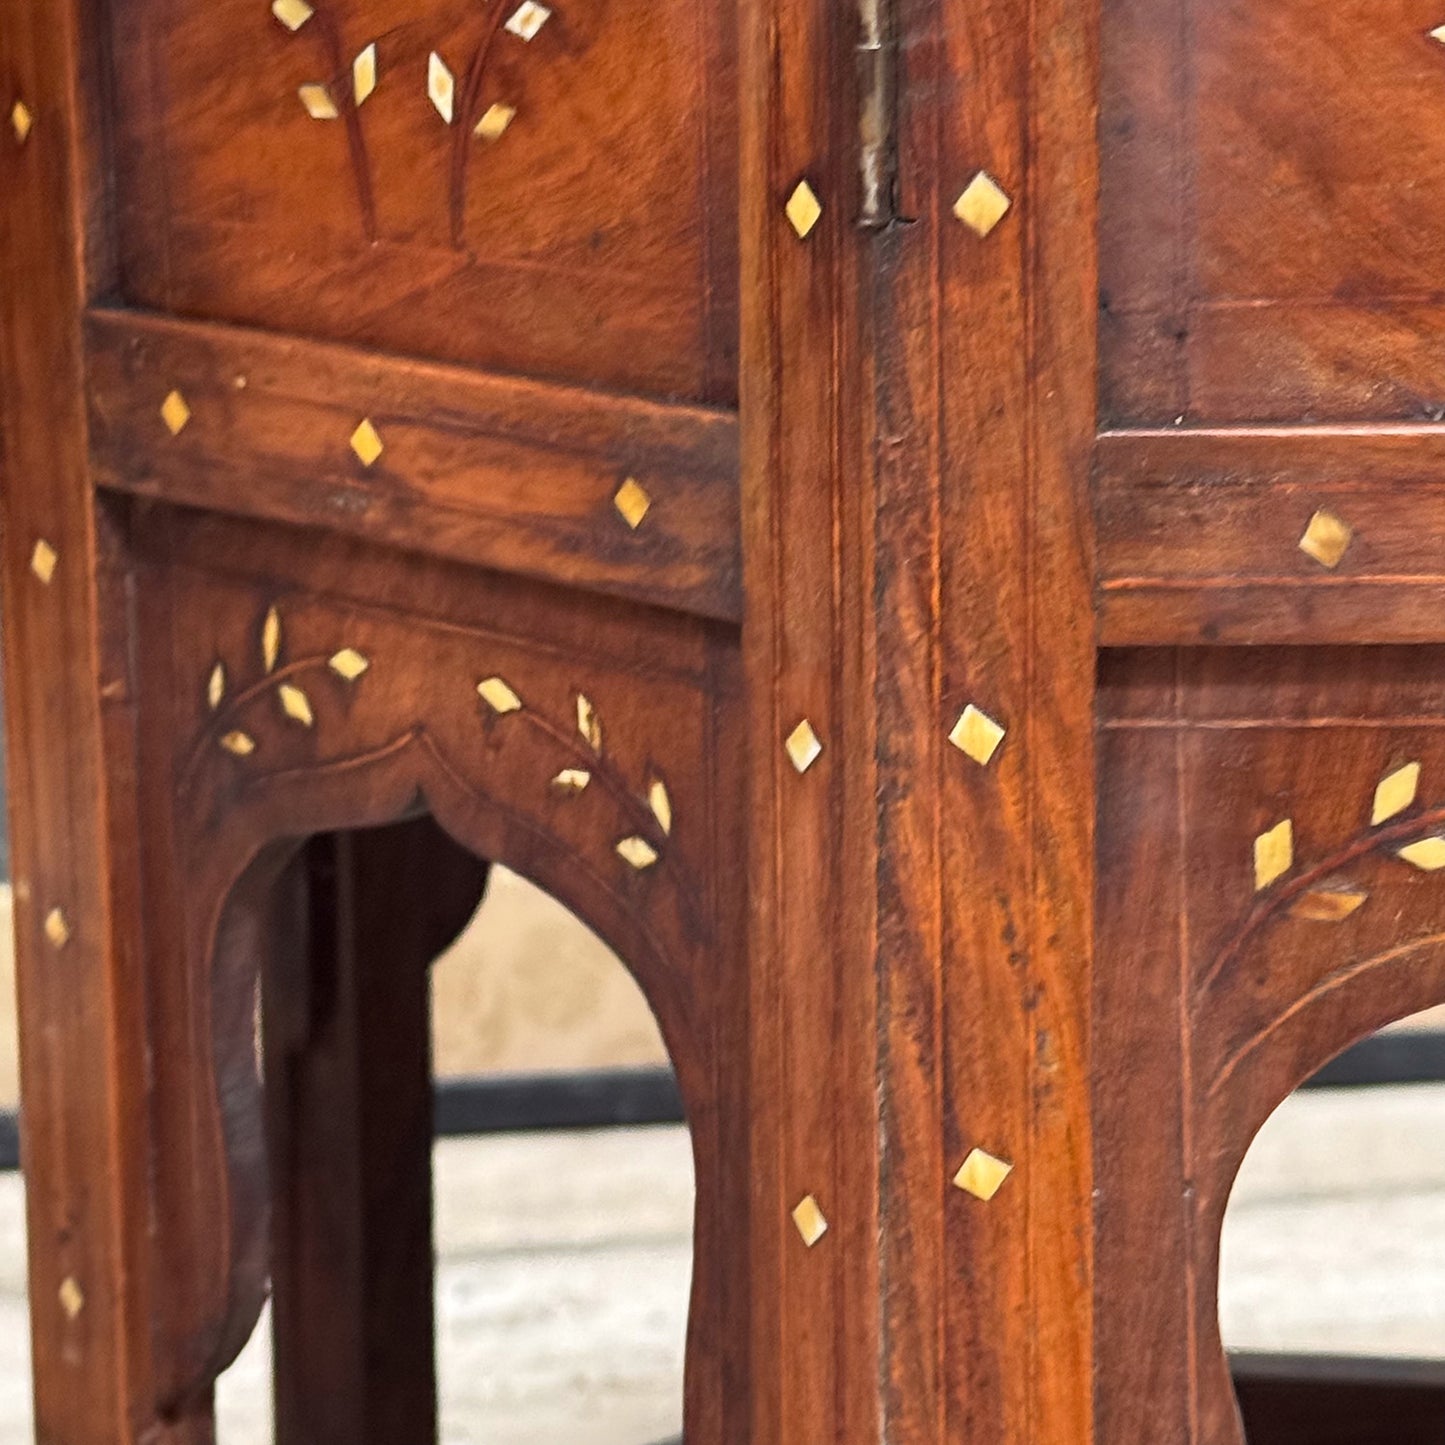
511, 474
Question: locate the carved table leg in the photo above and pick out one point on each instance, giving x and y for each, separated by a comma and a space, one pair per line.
348, 1099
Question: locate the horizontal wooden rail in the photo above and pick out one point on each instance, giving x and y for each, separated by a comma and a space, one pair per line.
511, 474
1199, 533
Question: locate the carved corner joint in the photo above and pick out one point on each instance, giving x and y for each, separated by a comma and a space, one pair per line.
877, 115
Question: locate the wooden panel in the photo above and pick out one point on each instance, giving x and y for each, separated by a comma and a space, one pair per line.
595, 241
1199, 534
347, 696
1273, 196
516, 475
1231, 985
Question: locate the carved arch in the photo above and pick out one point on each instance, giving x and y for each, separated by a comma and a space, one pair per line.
396, 715
1247, 1062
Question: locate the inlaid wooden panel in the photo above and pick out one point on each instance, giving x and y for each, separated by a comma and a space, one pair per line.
1272, 888
1273, 196
590, 236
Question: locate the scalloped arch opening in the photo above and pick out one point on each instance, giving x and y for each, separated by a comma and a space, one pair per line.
1330, 1270
561, 1259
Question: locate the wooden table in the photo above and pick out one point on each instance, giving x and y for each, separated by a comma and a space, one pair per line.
918, 521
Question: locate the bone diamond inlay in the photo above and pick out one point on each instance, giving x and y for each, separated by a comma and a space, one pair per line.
441, 86
803, 746
637, 853
1428, 855
982, 1174
363, 75
811, 1222
57, 929
495, 120
176, 413
1326, 539
318, 102
43, 561
498, 696
21, 121
976, 735
293, 14
803, 209
983, 204
349, 663
528, 19
367, 444
1395, 793
1273, 854
632, 502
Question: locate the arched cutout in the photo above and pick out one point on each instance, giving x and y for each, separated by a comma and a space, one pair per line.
1335, 1189
249, 925
1345, 1006
348, 1107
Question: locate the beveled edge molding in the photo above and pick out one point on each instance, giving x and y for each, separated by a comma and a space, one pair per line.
1271, 534
516, 475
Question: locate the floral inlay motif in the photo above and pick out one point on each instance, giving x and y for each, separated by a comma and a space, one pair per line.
460, 97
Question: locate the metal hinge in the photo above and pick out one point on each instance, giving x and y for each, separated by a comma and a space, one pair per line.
877, 115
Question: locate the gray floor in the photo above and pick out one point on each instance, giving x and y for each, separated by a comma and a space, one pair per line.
564, 1269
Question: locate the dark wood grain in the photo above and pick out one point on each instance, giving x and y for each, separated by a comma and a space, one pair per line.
596, 241
1199, 534
511, 474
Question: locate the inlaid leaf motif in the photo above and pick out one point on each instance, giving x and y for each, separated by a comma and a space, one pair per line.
1273, 854
349, 663
239, 743
216, 686
571, 781
660, 803
1330, 903
1395, 793
271, 639
495, 692
637, 853
588, 723
296, 705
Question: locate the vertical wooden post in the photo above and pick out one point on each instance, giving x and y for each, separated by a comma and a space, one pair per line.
349, 1104
918, 406
71, 763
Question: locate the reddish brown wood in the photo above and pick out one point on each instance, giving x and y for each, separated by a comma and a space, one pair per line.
596, 241
1220, 247
512, 474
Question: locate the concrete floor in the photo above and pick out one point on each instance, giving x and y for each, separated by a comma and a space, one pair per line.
564, 1269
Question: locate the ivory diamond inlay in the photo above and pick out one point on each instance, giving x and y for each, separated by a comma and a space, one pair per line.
441, 86
1326, 539
495, 120
318, 102
43, 561
983, 204
976, 735
1395, 793
811, 1222
499, 696
367, 444
803, 746
982, 1174
803, 209
293, 14
528, 19
176, 413
1273, 854
632, 502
